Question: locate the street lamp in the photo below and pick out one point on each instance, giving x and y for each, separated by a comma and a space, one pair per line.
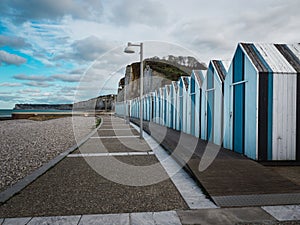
129, 49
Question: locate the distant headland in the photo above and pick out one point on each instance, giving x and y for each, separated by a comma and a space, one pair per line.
43, 107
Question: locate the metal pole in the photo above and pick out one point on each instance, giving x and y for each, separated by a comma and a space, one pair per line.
141, 90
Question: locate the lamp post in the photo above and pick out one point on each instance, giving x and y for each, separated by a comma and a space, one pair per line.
129, 49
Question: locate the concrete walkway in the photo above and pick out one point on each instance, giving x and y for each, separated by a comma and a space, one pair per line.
76, 192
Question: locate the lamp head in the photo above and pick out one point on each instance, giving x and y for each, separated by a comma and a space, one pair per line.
129, 49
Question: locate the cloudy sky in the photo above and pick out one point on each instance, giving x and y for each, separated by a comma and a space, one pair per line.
48, 46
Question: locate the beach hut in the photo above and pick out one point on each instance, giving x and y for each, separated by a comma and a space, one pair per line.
183, 97
157, 107
174, 100
162, 106
151, 106
260, 99
195, 93
168, 106
214, 90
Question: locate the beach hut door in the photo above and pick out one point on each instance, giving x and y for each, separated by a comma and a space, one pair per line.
238, 115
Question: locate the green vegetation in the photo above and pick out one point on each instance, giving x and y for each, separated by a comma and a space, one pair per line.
98, 122
171, 72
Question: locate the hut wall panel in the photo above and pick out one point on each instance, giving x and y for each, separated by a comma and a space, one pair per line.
227, 142
250, 110
197, 112
203, 112
188, 113
218, 105
284, 116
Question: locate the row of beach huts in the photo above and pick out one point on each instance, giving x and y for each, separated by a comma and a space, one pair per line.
250, 106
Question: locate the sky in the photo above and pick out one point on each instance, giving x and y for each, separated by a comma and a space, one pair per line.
61, 51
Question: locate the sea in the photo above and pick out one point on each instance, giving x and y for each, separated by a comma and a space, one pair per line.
6, 113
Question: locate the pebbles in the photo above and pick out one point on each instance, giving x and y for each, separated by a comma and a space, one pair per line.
26, 145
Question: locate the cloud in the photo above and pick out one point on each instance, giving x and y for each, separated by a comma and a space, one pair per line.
13, 41
38, 84
151, 13
8, 84
33, 77
11, 59
29, 91
22, 11
40, 80
67, 78
88, 49
8, 98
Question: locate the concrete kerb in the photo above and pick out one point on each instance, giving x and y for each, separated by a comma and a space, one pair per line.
24, 182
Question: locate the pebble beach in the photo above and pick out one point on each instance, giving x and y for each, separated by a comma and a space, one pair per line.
26, 145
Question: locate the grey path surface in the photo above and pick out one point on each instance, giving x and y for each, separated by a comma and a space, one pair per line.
16, 221
73, 187
225, 216
57, 220
284, 213
189, 190
112, 219
143, 218
231, 179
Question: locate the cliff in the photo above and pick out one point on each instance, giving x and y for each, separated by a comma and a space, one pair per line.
43, 106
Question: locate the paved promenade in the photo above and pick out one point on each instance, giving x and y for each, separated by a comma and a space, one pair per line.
88, 187
230, 179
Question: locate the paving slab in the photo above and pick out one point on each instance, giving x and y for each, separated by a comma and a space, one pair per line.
16, 221
1, 220
111, 219
142, 219
284, 213
166, 218
225, 216
107, 145
57, 220
117, 132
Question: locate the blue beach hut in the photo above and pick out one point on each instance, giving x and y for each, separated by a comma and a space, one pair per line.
174, 103
214, 89
195, 93
183, 97
261, 99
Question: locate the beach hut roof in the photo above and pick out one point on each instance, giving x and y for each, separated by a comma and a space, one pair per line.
198, 74
220, 69
291, 53
267, 57
175, 84
168, 89
186, 82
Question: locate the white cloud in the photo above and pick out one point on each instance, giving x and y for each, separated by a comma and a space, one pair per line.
67, 77
11, 59
38, 84
33, 77
10, 84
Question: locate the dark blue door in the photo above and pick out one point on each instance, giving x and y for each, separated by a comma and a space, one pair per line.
210, 104
238, 102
